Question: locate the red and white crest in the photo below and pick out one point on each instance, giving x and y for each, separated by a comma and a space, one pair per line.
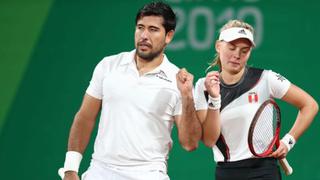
253, 97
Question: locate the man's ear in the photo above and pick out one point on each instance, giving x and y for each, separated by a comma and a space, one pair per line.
169, 36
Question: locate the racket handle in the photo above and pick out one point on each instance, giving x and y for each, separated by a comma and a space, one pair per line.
286, 166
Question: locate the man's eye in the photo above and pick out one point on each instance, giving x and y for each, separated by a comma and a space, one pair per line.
139, 27
153, 29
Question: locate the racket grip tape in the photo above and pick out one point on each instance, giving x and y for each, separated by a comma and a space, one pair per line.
286, 166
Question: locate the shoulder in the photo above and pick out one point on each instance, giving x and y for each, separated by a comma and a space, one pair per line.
270, 74
252, 76
275, 77
199, 86
115, 60
200, 81
255, 72
171, 67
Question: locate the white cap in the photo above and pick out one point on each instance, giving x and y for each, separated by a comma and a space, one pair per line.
234, 33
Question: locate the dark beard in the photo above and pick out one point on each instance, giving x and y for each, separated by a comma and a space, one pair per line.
149, 56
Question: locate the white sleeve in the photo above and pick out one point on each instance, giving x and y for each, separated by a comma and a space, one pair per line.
199, 97
178, 107
278, 85
95, 86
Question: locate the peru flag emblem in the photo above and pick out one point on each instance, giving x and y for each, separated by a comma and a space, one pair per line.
253, 97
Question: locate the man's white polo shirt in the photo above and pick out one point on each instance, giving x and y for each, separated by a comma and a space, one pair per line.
137, 112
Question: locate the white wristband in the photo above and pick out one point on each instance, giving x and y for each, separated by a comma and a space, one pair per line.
214, 103
289, 141
73, 160
71, 163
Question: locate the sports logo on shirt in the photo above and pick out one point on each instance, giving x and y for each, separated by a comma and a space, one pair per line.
280, 77
253, 97
163, 76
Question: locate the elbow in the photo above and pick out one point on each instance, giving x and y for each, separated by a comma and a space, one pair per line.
189, 146
316, 107
190, 142
209, 143
313, 107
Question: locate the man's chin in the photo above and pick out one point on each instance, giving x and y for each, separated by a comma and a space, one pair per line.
143, 52
145, 55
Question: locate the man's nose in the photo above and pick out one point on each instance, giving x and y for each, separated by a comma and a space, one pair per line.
144, 34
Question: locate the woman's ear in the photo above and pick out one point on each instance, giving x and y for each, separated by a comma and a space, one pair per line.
218, 46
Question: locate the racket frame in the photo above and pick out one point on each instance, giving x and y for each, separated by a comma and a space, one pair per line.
275, 141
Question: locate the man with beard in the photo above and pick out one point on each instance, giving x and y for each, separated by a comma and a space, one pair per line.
141, 95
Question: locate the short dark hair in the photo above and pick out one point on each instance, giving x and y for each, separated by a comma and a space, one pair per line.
159, 9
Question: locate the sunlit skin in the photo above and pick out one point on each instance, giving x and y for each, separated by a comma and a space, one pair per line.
150, 42
151, 38
234, 56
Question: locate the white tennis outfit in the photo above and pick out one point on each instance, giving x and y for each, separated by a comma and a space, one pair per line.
134, 133
240, 102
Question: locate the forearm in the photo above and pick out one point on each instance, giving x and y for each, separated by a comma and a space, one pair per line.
80, 133
304, 119
307, 106
190, 130
79, 136
211, 127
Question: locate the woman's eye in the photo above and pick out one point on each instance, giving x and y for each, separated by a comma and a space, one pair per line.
245, 51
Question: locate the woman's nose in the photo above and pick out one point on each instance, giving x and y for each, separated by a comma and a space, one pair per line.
237, 53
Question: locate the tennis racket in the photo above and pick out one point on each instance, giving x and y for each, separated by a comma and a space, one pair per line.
264, 131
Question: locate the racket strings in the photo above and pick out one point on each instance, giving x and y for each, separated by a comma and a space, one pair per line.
265, 130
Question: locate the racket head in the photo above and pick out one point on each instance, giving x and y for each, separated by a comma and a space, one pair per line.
264, 129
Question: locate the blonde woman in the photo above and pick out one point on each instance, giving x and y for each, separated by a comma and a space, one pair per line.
226, 101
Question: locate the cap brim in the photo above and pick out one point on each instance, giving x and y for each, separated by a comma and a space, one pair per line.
232, 34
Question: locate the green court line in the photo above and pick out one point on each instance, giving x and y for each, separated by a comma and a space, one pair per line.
21, 23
